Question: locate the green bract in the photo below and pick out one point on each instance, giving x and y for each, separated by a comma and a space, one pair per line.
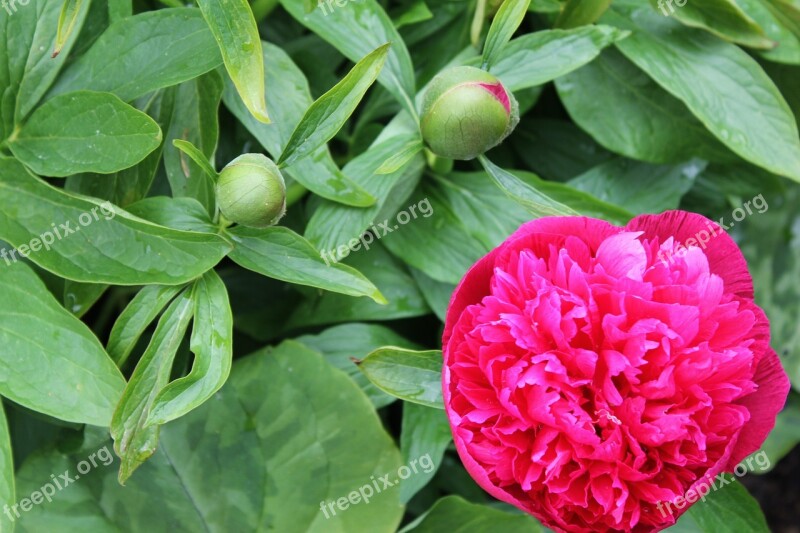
251, 191
465, 112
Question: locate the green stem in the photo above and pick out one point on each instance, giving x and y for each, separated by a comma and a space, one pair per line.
440, 165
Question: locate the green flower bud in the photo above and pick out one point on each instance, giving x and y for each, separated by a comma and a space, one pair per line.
251, 191
465, 112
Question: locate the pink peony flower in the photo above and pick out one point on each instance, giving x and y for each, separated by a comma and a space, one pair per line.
592, 372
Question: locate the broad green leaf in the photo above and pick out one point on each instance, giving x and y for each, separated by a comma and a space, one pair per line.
753, 119
86, 240
333, 224
407, 374
768, 17
417, 12
194, 120
131, 184
199, 158
68, 23
288, 99
137, 316
436, 293
27, 38
257, 458
628, 113
119, 9
387, 273
145, 52
723, 18
328, 114
526, 195
581, 12
52, 362
212, 345
424, 437
505, 23
85, 131
7, 498
536, 58
236, 32
727, 508
640, 187
134, 441
456, 515
340, 344
281, 254
356, 30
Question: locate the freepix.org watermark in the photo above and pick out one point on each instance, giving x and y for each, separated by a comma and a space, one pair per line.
376, 486
663, 4
703, 237
58, 483
334, 255
58, 232
11, 5
706, 486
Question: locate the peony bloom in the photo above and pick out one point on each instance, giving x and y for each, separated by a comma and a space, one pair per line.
592, 372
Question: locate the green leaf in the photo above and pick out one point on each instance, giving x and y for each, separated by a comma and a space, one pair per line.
425, 435
135, 319
140, 54
581, 12
134, 441
40, 340
132, 184
28, 36
723, 18
356, 31
186, 214
628, 113
67, 23
340, 344
526, 195
409, 375
640, 187
7, 498
236, 32
247, 461
328, 114
536, 58
401, 158
456, 515
726, 509
212, 345
505, 23
279, 253
93, 241
769, 18
197, 156
85, 132
753, 119
288, 100
195, 120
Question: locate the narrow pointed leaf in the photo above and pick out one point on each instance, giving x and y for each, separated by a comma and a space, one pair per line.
407, 374
236, 32
197, 156
505, 23
67, 23
328, 114
212, 345
133, 442
280, 253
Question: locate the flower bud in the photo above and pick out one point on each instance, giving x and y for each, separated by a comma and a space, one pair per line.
465, 112
251, 191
